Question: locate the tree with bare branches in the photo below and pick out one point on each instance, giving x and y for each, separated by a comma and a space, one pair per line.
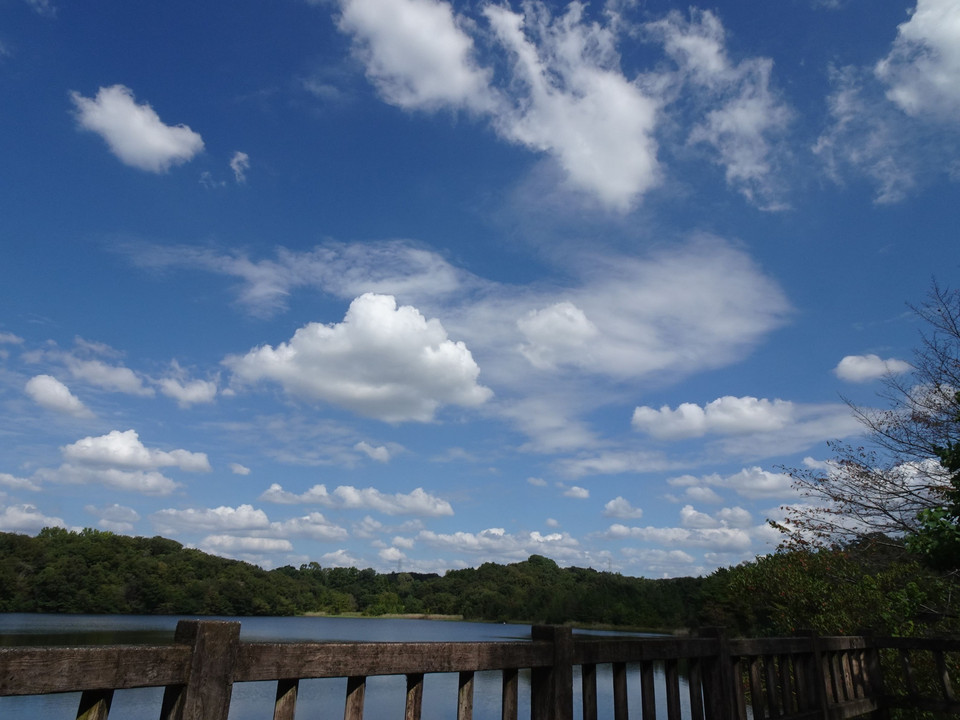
905, 481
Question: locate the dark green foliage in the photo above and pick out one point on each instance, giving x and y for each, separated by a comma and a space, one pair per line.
873, 585
101, 572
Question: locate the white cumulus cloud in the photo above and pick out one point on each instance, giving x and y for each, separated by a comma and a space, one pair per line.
189, 392
50, 393
313, 525
620, 507
554, 332
417, 502
135, 133
231, 544
725, 416
382, 361
379, 453
223, 518
863, 368
124, 450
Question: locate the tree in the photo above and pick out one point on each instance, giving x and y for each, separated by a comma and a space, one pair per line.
904, 482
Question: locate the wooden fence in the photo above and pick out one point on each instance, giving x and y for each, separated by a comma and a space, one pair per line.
799, 677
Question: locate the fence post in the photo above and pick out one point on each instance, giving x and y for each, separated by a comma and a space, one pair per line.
206, 696
719, 683
551, 688
820, 687
874, 672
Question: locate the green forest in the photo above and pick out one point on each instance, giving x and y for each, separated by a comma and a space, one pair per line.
877, 586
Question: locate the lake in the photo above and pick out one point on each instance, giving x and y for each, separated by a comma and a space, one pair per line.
317, 698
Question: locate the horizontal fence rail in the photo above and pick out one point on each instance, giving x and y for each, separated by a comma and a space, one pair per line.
708, 677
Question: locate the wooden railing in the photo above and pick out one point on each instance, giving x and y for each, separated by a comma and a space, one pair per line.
800, 677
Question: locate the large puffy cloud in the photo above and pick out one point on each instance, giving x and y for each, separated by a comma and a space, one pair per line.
50, 393
922, 70
727, 416
415, 53
418, 502
123, 450
382, 361
863, 368
135, 133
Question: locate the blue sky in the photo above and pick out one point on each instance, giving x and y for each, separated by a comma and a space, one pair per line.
417, 284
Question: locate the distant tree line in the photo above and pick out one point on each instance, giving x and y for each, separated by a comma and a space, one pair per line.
93, 571
872, 585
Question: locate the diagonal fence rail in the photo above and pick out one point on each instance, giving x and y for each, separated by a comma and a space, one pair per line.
723, 678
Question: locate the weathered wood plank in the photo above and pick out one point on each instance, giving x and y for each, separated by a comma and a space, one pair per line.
510, 694
95, 705
773, 695
285, 705
37, 671
787, 676
672, 677
588, 691
353, 705
551, 691
209, 684
465, 696
784, 665
267, 661
600, 651
695, 687
756, 687
621, 710
648, 696
414, 704
943, 676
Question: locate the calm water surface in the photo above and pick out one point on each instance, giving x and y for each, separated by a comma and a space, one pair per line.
317, 698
